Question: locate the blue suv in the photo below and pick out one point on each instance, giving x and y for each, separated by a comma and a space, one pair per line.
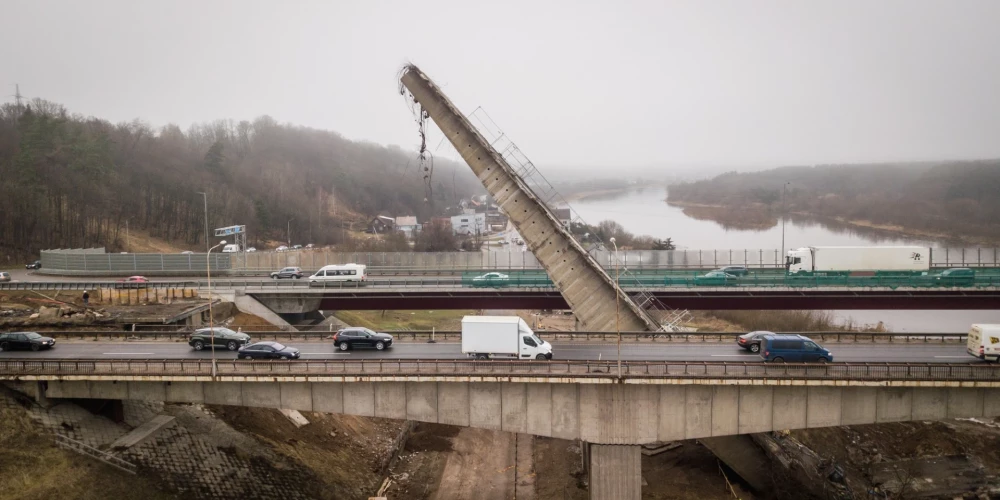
792, 349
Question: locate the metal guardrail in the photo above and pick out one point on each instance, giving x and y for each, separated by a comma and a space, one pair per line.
507, 369
423, 335
87, 450
526, 282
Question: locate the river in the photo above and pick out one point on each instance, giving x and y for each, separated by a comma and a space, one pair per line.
645, 211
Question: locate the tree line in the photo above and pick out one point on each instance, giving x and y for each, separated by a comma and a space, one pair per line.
958, 199
70, 181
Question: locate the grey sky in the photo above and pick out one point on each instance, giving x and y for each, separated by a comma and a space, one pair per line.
633, 83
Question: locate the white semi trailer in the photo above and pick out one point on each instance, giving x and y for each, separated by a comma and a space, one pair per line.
861, 261
485, 337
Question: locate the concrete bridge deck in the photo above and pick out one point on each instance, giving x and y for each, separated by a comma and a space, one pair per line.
651, 401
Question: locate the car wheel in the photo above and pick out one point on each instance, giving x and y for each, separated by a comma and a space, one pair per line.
482, 356
3, 347
344, 346
35, 347
284, 358
298, 277
778, 359
755, 348
379, 345
231, 345
199, 345
240, 356
540, 356
824, 360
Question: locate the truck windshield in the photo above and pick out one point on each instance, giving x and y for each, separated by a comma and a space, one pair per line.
537, 340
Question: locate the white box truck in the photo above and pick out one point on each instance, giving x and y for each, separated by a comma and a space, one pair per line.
860, 261
984, 342
485, 337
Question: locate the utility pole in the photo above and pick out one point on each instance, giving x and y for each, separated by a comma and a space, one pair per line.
289, 229
783, 187
205, 197
128, 242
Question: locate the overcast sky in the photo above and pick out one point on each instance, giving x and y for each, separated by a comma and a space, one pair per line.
575, 83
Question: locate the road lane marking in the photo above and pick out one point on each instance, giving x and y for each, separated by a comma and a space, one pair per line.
955, 357
130, 353
733, 355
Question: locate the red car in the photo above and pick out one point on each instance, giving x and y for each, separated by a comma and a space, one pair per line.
131, 282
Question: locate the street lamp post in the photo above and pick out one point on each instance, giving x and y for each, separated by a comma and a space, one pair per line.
208, 273
783, 187
289, 228
205, 197
617, 309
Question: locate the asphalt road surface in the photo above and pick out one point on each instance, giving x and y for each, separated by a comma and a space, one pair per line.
916, 353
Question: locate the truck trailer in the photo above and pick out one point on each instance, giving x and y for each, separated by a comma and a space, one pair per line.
857, 261
485, 337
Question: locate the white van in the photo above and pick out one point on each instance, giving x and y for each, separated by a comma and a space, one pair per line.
485, 337
342, 272
984, 342
231, 248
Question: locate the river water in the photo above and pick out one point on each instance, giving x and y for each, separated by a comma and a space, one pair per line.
645, 211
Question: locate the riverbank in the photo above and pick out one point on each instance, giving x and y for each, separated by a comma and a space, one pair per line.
752, 219
599, 194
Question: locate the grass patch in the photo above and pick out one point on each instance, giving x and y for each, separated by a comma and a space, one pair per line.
35, 469
405, 320
788, 321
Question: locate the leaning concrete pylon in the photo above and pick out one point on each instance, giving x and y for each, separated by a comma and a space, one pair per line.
588, 290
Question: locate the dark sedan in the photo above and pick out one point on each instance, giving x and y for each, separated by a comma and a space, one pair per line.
751, 341
268, 350
34, 265
349, 338
25, 340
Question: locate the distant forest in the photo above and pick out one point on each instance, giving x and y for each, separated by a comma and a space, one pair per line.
70, 181
959, 199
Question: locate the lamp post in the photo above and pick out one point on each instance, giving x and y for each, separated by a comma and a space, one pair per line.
617, 309
783, 187
289, 229
205, 197
208, 272
128, 242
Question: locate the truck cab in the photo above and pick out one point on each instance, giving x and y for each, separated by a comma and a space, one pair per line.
798, 260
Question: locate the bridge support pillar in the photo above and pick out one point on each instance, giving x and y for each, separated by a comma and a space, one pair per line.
615, 471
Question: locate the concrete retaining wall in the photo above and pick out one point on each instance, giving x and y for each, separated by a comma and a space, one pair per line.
596, 413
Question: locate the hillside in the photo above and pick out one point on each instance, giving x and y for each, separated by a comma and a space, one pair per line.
74, 181
957, 200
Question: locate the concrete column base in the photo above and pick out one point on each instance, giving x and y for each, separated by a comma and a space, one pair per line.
615, 472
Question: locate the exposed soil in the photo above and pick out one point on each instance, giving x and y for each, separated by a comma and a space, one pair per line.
559, 470
689, 472
347, 453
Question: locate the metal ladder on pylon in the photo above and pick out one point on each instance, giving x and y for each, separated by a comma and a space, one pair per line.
667, 317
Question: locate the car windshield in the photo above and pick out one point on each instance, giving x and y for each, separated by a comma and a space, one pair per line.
32, 336
277, 346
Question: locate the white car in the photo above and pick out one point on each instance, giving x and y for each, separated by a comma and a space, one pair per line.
187, 252
282, 248
252, 249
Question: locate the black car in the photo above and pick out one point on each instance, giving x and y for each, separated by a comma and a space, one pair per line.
288, 272
34, 265
268, 350
751, 341
223, 337
349, 338
25, 340
739, 271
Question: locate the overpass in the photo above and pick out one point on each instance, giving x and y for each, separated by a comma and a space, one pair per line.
299, 300
588, 400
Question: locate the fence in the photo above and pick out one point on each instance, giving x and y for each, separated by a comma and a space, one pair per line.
181, 333
77, 262
12, 368
71, 262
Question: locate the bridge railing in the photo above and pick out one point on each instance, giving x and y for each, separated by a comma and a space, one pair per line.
539, 282
265, 333
13, 368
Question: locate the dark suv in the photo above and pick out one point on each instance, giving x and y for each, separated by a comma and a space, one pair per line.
223, 337
34, 265
288, 272
349, 338
25, 340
